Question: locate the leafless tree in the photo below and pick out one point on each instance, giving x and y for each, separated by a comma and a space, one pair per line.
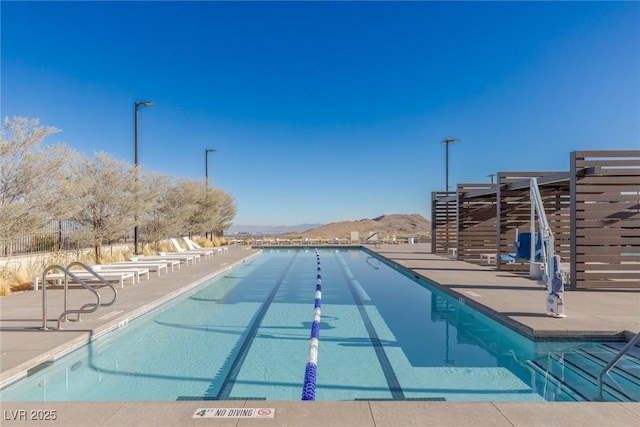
105, 197
194, 207
33, 179
158, 221
225, 210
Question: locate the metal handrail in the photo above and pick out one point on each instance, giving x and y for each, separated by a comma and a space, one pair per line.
66, 291
86, 308
614, 361
97, 276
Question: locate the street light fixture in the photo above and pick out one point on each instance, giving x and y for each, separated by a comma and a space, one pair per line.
446, 142
135, 165
206, 162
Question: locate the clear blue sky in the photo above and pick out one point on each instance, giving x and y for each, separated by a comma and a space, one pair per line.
328, 111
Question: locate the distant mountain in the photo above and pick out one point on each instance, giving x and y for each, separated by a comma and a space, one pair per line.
395, 225
269, 229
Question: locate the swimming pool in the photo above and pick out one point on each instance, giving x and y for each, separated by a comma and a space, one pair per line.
383, 335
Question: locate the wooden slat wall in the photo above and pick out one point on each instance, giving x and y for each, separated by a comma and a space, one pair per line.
515, 212
606, 217
477, 223
444, 218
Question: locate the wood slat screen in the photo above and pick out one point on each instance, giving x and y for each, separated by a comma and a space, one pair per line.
605, 237
477, 222
444, 218
593, 211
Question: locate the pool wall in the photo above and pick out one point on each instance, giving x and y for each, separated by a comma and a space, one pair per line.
31, 366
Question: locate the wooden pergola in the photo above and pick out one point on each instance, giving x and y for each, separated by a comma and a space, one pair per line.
593, 211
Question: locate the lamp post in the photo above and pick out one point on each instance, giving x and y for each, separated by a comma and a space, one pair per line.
206, 174
491, 176
446, 143
206, 162
135, 165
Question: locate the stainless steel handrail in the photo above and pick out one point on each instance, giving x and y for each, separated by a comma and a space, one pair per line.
86, 308
66, 290
614, 361
97, 276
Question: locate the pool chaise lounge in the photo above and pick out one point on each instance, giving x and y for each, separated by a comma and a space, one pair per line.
195, 247
110, 276
136, 270
206, 253
156, 267
171, 256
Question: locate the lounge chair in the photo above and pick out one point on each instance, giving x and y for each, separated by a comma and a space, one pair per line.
195, 247
206, 253
110, 276
136, 270
153, 266
171, 256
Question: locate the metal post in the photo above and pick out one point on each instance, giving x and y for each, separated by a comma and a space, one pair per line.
135, 165
446, 143
206, 173
206, 163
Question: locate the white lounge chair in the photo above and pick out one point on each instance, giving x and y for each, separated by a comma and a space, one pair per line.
110, 276
136, 270
194, 246
171, 256
207, 253
156, 267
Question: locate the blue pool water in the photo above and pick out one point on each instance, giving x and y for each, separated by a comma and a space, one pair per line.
383, 335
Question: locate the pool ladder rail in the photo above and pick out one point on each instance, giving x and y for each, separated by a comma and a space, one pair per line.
578, 374
86, 308
614, 361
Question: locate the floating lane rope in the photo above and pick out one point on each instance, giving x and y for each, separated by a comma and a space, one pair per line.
309, 386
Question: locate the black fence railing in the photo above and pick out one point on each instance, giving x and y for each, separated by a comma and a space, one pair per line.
58, 237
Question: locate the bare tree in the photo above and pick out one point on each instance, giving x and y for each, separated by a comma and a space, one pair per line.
189, 218
33, 180
194, 207
225, 210
157, 222
106, 200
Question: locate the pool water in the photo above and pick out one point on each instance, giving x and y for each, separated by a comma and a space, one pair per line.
383, 335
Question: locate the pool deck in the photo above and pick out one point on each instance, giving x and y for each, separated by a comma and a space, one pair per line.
515, 300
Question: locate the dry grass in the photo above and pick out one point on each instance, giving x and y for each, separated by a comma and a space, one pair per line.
17, 278
162, 247
208, 243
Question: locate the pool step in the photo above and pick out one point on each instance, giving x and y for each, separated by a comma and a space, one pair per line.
553, 385
575, 374
626, 367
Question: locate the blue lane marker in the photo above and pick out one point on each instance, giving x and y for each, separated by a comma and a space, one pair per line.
309, 385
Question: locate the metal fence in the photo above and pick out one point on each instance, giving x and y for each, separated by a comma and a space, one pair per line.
56, 238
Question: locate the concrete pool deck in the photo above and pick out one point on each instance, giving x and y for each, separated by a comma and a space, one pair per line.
516, 300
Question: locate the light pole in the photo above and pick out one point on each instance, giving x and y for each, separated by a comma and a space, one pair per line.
491, 176
135, 165
446, 143
206, 173
206, 162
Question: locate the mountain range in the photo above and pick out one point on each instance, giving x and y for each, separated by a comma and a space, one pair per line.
269, 229
393, 225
